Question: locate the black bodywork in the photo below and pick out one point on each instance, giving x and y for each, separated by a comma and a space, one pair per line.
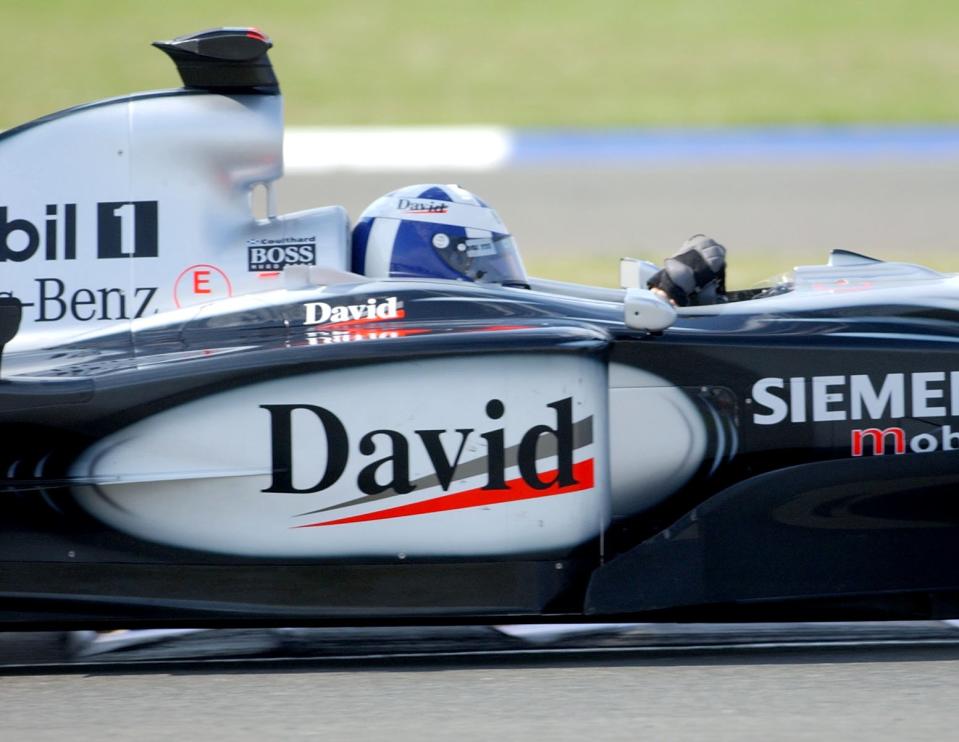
785, 524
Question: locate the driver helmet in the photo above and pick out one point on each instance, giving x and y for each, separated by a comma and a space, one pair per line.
435, 231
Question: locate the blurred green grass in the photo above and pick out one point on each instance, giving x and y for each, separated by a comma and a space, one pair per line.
517, 62
745, 268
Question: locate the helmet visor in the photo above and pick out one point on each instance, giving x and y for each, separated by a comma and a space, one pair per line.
492, 259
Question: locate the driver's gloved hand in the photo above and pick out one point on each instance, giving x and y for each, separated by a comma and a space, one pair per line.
695, 275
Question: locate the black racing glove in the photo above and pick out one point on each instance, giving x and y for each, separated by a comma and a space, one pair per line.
695, 275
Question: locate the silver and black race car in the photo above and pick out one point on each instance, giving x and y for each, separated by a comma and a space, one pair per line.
207, 418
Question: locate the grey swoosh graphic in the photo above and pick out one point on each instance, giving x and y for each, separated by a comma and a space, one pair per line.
582, 436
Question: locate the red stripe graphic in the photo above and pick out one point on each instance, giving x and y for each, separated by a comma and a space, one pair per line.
516, 489
400, 314
498, 328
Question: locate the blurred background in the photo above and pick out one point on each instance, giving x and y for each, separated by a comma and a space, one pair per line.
615, 127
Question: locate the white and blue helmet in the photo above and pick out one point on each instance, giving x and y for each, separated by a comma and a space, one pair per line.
435, 231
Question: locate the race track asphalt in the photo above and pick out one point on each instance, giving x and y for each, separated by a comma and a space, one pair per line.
863, 688
841, 695
890, 208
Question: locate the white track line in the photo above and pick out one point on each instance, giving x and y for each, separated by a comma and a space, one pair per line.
367, 149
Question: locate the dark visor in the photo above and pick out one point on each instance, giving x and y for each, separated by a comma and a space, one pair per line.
492, 259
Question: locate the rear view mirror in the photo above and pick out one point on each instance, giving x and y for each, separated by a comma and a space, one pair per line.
643, 310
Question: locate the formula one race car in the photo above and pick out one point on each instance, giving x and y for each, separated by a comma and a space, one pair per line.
207, 418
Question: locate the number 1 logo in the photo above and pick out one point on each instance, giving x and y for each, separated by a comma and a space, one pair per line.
127, 229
